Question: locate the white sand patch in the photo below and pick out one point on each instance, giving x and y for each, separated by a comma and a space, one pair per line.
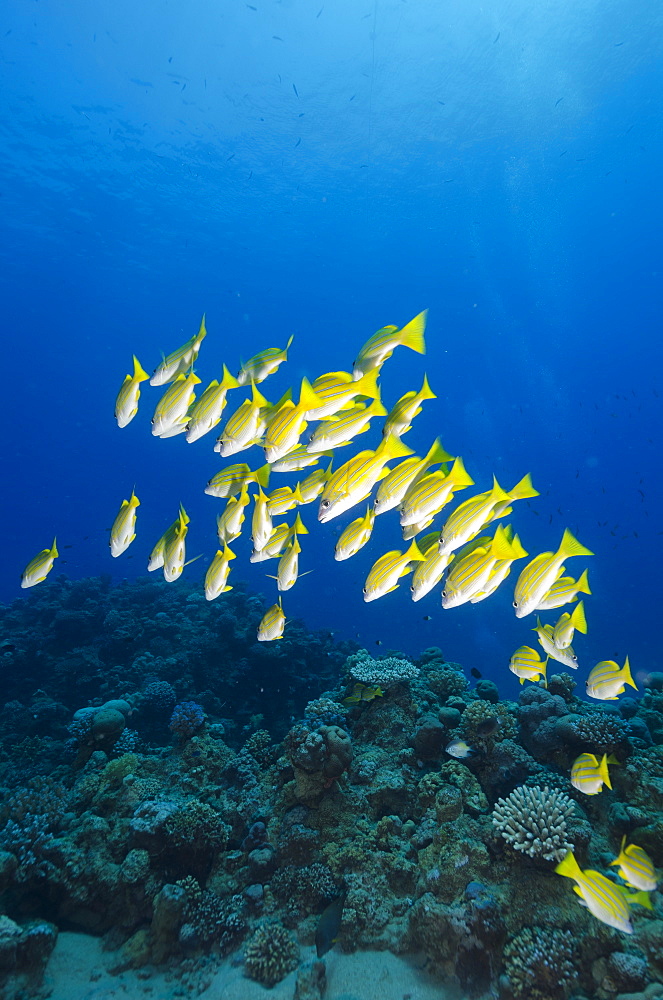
78, 966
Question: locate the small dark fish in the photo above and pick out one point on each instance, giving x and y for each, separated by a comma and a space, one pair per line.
67, 546
295, 90
277, 38
497, 37
329, 925
297, 143
476, 673
428, 618
230, 157
378, 642
319, 12
488, 726
251, 7
558, 101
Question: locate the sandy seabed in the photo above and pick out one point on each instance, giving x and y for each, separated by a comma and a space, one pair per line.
78, 970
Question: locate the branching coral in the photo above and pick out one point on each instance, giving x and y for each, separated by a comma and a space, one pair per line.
534, 821
540, 963
384, 673
270, 954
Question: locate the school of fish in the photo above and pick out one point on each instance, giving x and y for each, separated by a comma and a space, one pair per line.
343, 406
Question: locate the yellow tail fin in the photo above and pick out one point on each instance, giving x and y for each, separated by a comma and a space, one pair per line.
412, 334
524, 489
603, 770
436, 453
626, 675
228, 381
414, 554
368, 385
569, 867
307, 397
54, 549
497, 494
258, 397
392, 447
582, 583
640, 898
570, 546
579, 621
426, 392
139, 372
460, 476
262, 475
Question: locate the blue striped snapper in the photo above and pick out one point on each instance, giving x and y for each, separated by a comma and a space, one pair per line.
472, 515
245, 426
180, 360
540, 574
123, 530
384, 342
354, 537
298, 458
171, 412
229, 523
385, 573
589, 774
287, 573
230, 480
265, 363
607, 681
427, 574
353, 481
429, 494
272, 623
608, 902
261, 522
339, 430
636, 867
470, 574
410, 531
311, 487
566, 656
156, 558
283, 499
567, 624
499, 572
216, 577
337, 391
564, 590
527, 665
279, 538
38, 568
286, 426
395, 485
174, 549
126, 403
403, 412
207, 410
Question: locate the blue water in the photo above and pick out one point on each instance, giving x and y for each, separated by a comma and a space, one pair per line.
322, 169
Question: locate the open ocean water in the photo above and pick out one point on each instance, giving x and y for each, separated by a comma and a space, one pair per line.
320, 169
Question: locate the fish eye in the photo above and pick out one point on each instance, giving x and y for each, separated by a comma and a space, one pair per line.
324, 503
364, 591
444, 593
515, 604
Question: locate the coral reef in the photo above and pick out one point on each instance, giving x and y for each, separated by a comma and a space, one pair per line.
270, 954
540, 964
533, 820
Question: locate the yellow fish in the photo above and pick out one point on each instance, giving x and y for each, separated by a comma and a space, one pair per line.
283, 499
567, 624
566, 656
123, 531
286, 426
230, 480
499, 572
156, 558
171, 412
288, 568
311, 487
410, 531
430, 493
354, 537
216, 576
298, 458
589, 774
246, 426
38, 568
353, 481
470, 574
606, 901
564, 590
126, 404
261, 523
394, 486
257, 368
636, 867
363, 692
428, 574
229, 523
402, 413
526, 664
174, 550
338, 431
180, 360
336, 391
541, 573
385, 573
272, 623
606, 681
207, 410
278, 540
470, 517
384, 342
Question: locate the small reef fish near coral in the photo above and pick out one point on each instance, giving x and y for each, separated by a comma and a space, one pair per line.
404, 806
